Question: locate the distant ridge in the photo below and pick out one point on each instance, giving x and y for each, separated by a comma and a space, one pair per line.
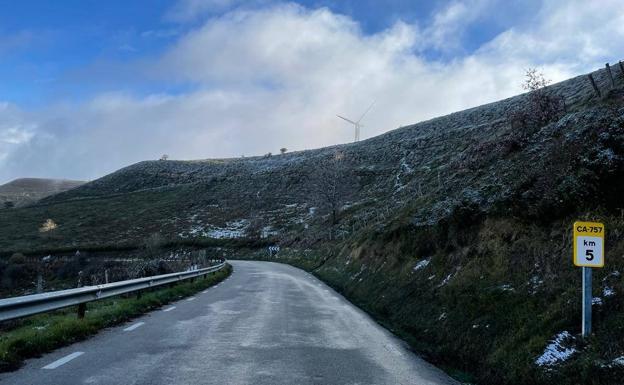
23, 191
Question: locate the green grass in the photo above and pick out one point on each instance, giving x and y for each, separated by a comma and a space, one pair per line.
43, 333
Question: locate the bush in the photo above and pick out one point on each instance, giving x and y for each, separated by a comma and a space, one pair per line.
17, 259
542, 106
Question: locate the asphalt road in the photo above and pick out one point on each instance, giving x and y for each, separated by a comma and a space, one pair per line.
267, 324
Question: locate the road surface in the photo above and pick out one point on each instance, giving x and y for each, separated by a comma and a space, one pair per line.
268, 323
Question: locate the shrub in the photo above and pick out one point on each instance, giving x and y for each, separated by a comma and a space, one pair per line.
17, 259
542, 105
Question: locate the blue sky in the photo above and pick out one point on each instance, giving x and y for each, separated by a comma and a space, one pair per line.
45, 53
91, 86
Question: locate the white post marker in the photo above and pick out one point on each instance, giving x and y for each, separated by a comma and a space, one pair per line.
588, 254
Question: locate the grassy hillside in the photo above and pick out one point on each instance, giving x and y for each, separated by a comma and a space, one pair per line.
23, 191
455, 232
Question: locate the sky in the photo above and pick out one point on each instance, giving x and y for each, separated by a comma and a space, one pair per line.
89, 86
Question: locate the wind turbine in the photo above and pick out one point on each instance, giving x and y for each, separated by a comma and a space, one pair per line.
357, 123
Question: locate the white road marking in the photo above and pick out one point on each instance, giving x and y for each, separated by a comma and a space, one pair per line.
63, 360
136, 325
169, 309
190, 299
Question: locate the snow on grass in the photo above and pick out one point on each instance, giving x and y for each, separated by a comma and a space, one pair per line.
596, 301
555, 352
356, 275
406, 167
617, 362
446, 280
608, 291
535, 282
448, 277
268, 231
233, 229
506, 287
422, 264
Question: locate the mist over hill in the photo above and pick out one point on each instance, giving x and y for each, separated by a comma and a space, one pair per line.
454, 232
23, 191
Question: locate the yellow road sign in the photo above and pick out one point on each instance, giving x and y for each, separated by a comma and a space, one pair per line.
588, 244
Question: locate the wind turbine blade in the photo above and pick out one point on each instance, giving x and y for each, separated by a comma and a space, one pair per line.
366, 112
348, 120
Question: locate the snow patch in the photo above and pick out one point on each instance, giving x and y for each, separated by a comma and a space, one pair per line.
608, 291
596, 301
555, 352
233, 229
422, 264
446, 280
535, 282
617, 362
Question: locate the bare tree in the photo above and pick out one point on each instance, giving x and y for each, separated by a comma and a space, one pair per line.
545, 106
542, 105
332, 186
254, 229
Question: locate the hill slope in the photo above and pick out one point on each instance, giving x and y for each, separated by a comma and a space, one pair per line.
454, 231
29, 190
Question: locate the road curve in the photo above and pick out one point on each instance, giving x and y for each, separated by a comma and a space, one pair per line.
268, 323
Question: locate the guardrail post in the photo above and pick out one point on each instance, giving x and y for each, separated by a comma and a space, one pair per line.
106, 276
23, 306
82, 309
593, 83
39, 283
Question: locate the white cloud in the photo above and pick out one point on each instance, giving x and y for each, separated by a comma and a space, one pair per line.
449, 24
276, 76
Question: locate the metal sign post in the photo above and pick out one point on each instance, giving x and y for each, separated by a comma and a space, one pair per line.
587, 301
588, 254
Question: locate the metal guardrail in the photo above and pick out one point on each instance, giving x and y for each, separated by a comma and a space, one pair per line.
17, 307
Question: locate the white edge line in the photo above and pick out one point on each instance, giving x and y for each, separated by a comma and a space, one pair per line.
170, 308
63, 360
190, 299
136, 325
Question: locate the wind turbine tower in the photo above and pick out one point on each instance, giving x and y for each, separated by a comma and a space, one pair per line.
357, 123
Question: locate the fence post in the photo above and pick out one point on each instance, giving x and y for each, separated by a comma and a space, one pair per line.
593, 83
610, 75
106, 276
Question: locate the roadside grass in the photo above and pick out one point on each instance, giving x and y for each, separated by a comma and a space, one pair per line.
43, 333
